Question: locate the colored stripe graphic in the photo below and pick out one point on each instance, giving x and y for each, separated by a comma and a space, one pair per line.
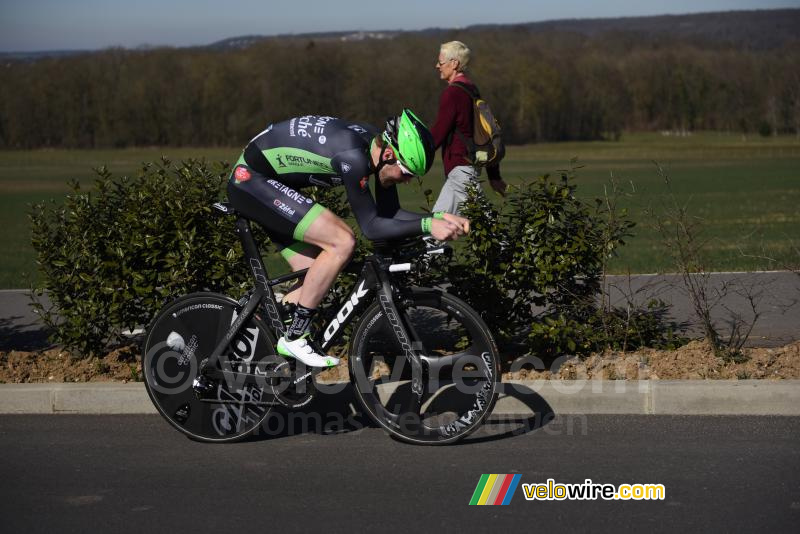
478, 490
495, 489
503, 489
511, 489
498, 483
487, 490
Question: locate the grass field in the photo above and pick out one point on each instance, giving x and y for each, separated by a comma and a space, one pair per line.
746, 191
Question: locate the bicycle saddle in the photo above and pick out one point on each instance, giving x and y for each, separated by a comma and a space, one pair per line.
224, 207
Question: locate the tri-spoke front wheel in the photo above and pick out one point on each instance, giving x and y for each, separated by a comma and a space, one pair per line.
461, 369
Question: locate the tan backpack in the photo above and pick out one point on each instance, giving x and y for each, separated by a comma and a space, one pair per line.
486, 146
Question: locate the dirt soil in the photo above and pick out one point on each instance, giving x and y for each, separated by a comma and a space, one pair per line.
693, 361
55, 365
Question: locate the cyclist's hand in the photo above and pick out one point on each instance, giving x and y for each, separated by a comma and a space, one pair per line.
445, 230
463, 222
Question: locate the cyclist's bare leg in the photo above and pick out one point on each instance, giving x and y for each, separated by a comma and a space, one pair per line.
302, 260
336, 241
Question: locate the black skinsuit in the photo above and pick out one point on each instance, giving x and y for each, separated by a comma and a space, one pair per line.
322, 151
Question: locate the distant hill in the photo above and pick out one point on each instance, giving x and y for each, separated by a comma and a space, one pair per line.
755, 30
249, 40
759, 29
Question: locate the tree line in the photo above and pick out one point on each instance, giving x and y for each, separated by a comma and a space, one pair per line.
543, 87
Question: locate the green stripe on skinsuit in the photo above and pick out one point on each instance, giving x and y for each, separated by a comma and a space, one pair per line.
302, 227
294, 249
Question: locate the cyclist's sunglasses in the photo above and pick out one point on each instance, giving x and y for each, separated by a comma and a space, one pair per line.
394, 161
405, 171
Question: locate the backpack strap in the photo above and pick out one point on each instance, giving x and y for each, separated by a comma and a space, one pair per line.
472, 91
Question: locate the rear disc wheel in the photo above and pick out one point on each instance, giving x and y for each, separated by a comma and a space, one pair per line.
177, 344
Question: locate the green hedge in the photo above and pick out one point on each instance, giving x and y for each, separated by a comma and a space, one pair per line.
533, 267
109, 258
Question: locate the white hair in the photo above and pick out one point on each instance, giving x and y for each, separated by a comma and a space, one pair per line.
458, 51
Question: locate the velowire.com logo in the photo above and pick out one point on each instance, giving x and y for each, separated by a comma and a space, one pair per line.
495, 489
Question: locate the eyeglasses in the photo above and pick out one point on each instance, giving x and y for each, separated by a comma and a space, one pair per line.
393, 161
440, 63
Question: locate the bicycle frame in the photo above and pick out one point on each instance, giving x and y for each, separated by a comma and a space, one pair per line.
373, 277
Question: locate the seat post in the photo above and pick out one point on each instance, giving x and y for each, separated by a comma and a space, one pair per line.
263, 290
251, 253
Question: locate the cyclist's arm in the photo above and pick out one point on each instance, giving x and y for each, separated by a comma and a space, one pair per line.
373, 225
388, 205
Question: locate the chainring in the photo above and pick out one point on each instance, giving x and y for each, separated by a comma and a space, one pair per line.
293, 389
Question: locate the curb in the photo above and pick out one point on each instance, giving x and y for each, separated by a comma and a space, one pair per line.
654, 397
84, 398
518, 398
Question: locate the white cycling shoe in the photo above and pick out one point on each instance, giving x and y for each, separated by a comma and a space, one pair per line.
302, 350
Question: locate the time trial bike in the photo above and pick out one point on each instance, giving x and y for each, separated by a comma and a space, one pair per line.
422, 362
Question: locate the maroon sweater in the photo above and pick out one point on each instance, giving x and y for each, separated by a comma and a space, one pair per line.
456, 113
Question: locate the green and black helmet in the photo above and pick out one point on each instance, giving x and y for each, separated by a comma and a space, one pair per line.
411, 141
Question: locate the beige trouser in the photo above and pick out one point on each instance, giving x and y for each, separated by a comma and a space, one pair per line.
454, 190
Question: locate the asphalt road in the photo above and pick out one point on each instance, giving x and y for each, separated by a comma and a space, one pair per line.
776, 296
136, 474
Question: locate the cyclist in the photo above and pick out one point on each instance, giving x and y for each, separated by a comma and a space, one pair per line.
326, 151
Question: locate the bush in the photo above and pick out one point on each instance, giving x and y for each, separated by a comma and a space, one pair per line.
111, 257
534, 268
535, 260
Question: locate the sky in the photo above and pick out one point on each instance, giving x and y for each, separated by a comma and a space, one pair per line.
37, 25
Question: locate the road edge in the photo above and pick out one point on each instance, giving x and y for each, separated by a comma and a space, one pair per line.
518, 398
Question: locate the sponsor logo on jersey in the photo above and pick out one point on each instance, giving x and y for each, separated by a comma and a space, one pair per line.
346, 168
283, 207
290, 193
299, 126
295, 160
319, 124
301, 131
357, 128
299, 161
241, 174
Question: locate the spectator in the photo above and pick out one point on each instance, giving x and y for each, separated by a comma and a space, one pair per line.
456, 115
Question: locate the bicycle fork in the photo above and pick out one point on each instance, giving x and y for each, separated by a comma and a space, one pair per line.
401, 328
374, 276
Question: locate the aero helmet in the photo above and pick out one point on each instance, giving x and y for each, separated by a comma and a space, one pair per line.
411, 141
